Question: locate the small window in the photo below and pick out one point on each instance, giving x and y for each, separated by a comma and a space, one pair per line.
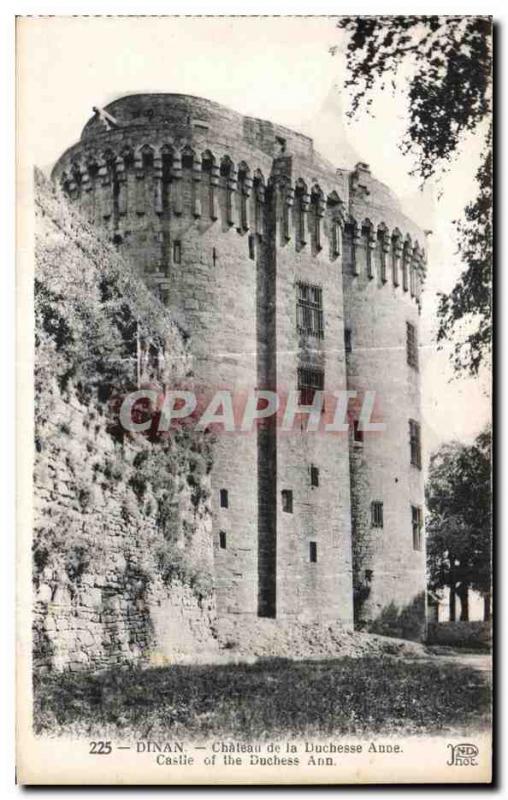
348, 340
312, 552
376, 514
177, 252
417, 525
287, 501
252, 247
415, 445
357, 432
310, 381
224, 499
369, 574
222, 540
314, 476
411, 346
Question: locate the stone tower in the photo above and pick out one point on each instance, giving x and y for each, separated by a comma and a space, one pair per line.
287, 274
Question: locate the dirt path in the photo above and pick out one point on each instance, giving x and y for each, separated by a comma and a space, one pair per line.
482, 662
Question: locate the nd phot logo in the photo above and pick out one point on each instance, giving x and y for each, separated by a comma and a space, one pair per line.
463, 755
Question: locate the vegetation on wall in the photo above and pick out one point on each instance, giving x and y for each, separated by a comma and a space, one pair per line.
91, 313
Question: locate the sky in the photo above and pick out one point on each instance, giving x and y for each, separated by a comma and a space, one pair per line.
279, 69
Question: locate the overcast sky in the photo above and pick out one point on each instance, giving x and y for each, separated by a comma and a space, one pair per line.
274, 68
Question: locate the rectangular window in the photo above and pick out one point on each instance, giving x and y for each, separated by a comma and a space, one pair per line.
415, 443
417, 525
357, 433
222, 540
287, 501
412, 345
312, 552
348, 344
224, 499
309, 310
177, 252
252, 247
376, 514
314, 476
310, 380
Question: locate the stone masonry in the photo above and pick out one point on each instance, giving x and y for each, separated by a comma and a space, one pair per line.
240, 227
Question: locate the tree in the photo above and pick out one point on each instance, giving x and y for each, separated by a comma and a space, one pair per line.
447, 67
459, 522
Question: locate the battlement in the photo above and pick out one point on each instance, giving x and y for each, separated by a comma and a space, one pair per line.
287, 273
157, 155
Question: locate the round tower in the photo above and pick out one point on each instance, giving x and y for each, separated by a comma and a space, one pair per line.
270, 259
382, 276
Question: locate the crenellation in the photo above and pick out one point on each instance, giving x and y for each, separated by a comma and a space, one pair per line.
226, 217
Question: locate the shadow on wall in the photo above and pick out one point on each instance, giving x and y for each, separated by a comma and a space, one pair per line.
407, 622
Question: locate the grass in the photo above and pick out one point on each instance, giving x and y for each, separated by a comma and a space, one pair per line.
271, 698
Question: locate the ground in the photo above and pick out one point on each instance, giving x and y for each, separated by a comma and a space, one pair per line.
272, 697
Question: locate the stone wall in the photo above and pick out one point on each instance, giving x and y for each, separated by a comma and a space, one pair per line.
123, 555
223, 216
389, 574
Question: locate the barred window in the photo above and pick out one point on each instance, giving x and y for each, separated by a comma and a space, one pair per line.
314, 475
310, 380
287, 501
309, 310
312, 552
415, 443
412, 345
376, 514
417, 526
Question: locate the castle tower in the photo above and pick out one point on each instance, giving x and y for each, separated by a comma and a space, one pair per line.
254, 242
382, 278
